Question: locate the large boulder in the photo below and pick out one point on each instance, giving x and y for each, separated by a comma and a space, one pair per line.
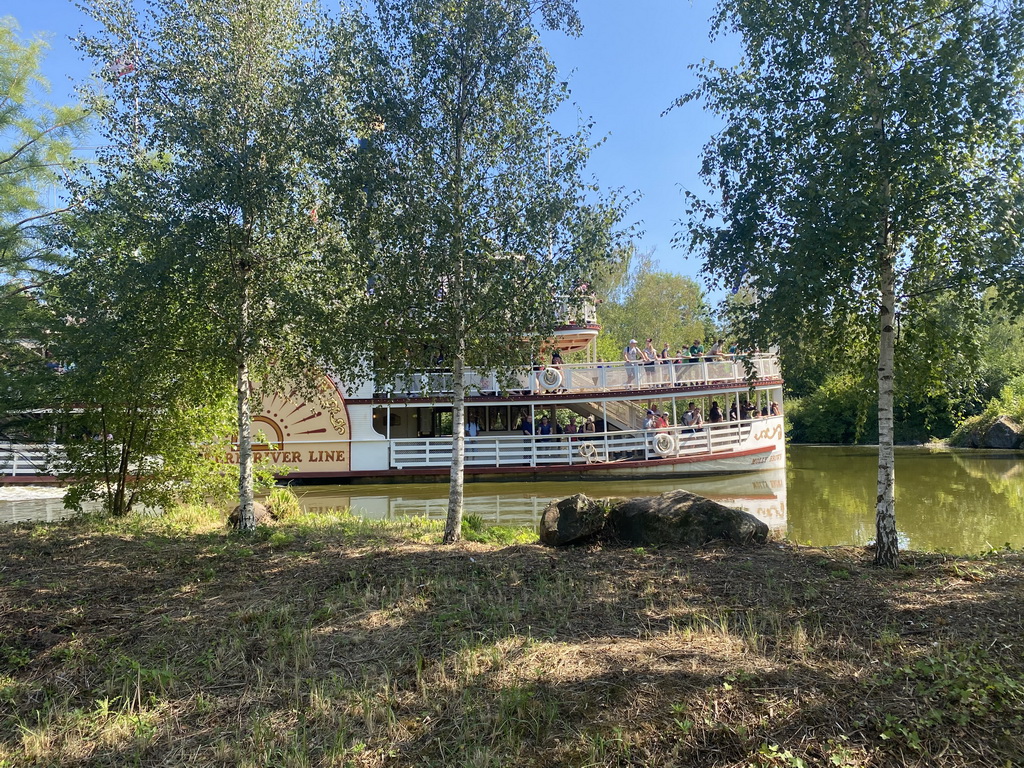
260, 512
1004, 433
681, 517
573, 520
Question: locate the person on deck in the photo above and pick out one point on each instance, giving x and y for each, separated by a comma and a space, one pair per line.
715, 414
696, 351
526, 424
633, 355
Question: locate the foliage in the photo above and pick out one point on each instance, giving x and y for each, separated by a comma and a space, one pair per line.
214, 117
838, 411
283, 503
648, 303
870, 162
36, 144
1010, 402
475, 220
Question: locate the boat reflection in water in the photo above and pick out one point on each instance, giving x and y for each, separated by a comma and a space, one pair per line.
762, 494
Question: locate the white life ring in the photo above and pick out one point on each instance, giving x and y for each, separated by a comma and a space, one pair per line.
587, 450
664, 444
551, 378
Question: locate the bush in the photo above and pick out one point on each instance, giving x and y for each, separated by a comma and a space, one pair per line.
282, 503
1009, 403
841, 410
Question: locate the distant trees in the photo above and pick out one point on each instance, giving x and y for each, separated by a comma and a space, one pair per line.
644, 302
36, 145
477, 228
868, 170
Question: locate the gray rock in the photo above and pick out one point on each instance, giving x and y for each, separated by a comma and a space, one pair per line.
1004, 433
681, 517
260, 512
572, 520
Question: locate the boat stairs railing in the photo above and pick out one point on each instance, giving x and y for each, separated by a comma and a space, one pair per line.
586, 378
579, 449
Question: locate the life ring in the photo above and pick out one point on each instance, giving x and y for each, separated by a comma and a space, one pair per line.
664, 444
551, 378
587, 450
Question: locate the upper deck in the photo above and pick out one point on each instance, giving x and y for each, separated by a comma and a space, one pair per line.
590, 379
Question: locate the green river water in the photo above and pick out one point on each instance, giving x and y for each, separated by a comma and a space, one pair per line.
956, 501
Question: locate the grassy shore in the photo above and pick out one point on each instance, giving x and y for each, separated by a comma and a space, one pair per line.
331, 641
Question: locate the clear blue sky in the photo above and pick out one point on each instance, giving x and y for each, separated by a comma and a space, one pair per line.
626, 69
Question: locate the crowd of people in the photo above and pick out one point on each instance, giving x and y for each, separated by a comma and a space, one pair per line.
696, 352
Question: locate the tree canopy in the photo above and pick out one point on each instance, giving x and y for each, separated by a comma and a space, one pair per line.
479, 229
870, 159
214, 117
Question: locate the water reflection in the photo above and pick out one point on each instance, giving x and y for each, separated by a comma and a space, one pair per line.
960, 501
44, 507
761, 493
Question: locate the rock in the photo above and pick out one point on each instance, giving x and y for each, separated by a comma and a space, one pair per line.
572, 520
260, 512
1004, 433
681, 517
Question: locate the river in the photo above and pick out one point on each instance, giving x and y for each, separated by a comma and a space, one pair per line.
956, 501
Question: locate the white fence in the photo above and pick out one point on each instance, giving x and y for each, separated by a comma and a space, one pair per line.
533, 451
594, 377
23, 460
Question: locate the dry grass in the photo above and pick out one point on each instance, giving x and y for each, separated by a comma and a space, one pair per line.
337, 642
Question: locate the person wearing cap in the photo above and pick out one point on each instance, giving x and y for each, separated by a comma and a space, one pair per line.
633, 355
590, 426
649, 420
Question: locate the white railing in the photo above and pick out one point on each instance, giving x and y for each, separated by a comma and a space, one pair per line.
23, 460
601, 447
594, 377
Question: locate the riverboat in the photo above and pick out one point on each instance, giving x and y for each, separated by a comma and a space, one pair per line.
400, 431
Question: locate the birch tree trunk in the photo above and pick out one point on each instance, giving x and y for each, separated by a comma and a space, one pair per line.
246, 512
887, 553
453, 525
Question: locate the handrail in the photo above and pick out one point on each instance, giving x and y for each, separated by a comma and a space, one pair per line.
592, 377
588, 448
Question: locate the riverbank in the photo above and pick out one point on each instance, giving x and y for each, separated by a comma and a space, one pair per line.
331, 640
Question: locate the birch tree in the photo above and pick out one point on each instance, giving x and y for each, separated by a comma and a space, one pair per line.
871, 155
477, 217
214, 114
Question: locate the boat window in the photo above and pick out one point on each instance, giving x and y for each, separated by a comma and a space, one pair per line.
498, 418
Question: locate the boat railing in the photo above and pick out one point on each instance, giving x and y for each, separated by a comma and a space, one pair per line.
24, 459
578, 312
593, 377
583, 449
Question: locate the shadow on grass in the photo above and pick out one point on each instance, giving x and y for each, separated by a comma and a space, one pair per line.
310, 645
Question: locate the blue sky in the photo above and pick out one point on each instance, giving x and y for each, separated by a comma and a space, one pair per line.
624, 71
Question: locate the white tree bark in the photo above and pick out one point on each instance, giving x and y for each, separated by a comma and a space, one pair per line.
453, 525
246, 500
887, 553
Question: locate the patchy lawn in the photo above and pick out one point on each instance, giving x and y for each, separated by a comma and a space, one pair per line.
331, 641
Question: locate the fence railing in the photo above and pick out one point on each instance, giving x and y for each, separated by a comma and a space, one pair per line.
587, 448
24, 460
591, 377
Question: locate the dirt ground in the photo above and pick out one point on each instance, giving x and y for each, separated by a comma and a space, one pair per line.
343, 643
